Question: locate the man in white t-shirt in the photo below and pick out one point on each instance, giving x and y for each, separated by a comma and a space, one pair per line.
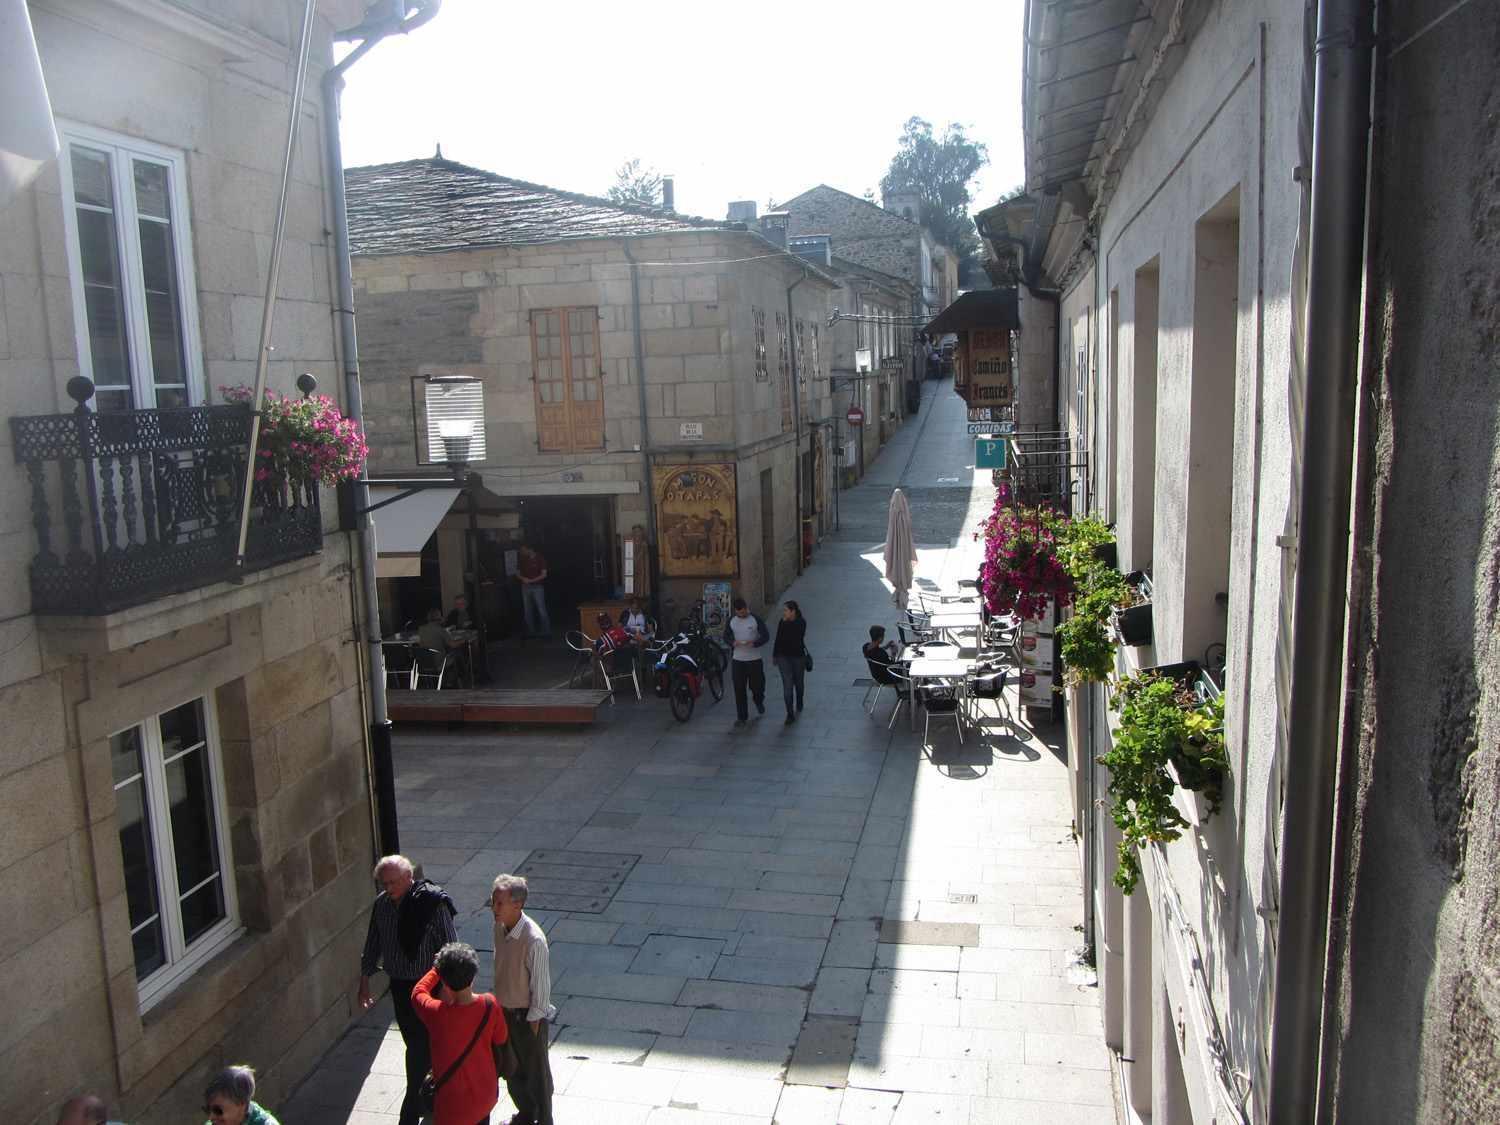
746, 634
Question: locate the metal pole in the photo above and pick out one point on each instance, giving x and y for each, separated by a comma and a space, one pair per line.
796, 393
640, 384
268, 307
1335, 264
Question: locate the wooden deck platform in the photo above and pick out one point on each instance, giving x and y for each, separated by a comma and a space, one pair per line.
565, 705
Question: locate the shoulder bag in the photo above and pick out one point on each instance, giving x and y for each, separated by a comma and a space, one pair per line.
430, 1087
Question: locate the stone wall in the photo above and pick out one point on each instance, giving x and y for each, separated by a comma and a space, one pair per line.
275, 656
861, 231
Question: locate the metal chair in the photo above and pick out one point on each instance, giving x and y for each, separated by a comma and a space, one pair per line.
400, 667
903, 685
942, 701
583, 654
430, 666
879, 681
604, 661
987, 683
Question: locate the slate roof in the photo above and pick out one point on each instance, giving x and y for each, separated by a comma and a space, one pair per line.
424, 206
841, 213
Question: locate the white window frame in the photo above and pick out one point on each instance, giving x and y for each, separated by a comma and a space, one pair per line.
182, 960
122, 150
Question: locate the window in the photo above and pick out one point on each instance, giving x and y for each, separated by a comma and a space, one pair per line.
129, 256
784, 371
569, 389
817, 358
179, 880
762, 369
801, 327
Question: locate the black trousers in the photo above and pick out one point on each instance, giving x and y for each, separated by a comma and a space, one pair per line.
418, 1050
751, 673
531, 1088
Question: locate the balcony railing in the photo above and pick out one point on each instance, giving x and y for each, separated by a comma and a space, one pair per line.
139, 505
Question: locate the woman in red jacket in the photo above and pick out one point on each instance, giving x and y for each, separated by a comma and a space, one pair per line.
452, 1017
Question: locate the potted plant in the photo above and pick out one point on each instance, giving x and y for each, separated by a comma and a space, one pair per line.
1021, 571
303, 440
1087, 644
1133, 618
1168, 740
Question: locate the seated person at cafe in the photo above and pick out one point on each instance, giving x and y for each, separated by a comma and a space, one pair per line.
879, 654
434, 635
615, 643
633, 621
458, 617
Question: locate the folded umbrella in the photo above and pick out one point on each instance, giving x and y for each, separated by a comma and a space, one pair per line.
900, 553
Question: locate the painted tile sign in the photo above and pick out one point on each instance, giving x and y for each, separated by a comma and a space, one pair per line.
698, 520
989, 368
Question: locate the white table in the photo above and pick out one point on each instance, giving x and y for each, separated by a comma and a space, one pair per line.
957, 622
934, 668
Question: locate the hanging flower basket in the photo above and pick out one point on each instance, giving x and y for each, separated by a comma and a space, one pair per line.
1022, 572
302, 440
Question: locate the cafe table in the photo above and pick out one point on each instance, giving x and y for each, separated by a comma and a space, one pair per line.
957, 622
939, 668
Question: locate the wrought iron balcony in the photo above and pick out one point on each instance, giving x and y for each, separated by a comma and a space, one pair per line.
149, 504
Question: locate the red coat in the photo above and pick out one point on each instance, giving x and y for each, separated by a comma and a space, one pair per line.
474, 1088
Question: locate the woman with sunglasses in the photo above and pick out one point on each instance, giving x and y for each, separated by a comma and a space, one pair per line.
230, 1099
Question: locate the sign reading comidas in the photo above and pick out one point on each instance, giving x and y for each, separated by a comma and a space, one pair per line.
989, 368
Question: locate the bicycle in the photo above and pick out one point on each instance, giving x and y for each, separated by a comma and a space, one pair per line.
679, 678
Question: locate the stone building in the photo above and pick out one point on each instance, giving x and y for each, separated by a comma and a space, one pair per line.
554, 299
1275, 364
187, 834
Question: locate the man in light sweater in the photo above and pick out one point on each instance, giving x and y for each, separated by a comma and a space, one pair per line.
747, 634
523, 985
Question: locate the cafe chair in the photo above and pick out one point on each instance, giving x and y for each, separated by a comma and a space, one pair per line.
400, 667
987, 683
583, 654
942, 702
902, 683
605, 661
431, 666
879, 680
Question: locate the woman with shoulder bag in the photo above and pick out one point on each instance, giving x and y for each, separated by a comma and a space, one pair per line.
792, 659
468, 1037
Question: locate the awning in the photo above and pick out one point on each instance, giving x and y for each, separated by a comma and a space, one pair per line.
978, 308
403, 528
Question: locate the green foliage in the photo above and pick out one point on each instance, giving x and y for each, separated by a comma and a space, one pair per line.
938, 169
1161, 722
1088, 648
636, 186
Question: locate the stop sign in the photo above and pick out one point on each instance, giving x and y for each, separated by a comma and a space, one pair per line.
856, 416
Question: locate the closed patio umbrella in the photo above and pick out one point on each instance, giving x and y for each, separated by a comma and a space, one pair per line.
900, 553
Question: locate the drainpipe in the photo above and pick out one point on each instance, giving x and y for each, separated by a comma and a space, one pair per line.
645, 446
382, 769
791, 328
1335, 263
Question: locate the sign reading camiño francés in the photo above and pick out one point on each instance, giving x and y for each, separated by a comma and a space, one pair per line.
989, 368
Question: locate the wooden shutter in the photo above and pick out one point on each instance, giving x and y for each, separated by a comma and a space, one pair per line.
585, 389
550, 375
565, 369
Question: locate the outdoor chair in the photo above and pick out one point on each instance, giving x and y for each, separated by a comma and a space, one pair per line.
583, 654
400, 667
431, 666
880, 680
902, 683
942, 701
987, 683
611, 670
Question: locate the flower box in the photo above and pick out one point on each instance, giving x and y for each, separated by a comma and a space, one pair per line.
1133, 623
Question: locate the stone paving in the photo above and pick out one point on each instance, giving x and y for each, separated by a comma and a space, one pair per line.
827, 922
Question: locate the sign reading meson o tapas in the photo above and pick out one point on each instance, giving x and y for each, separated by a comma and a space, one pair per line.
697, 520
988, 367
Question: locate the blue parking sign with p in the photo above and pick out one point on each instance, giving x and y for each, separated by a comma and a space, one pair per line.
989, 453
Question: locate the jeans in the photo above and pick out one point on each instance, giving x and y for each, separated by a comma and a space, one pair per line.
531, 1088
418, 1050
751, 673
792, 669
534, 604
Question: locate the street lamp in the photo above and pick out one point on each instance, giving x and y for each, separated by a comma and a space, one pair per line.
455, 419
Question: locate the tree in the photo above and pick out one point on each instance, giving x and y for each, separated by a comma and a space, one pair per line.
636, 186
938, 170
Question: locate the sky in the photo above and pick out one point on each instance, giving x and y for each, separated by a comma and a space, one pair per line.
737, 101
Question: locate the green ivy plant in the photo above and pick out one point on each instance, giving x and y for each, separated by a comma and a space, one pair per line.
1087, 644
1161, 722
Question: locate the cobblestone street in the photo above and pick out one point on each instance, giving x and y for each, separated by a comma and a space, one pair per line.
805, 924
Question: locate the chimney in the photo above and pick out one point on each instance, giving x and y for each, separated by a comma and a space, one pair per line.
742, 211
773, 226
668, 194
816, 248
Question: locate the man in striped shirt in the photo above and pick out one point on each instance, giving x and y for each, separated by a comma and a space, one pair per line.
411, 920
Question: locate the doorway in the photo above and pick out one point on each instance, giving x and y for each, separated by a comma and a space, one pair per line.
767, 538
574, 535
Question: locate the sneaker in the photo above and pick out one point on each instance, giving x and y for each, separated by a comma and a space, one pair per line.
790, 719
760, 706
740, 722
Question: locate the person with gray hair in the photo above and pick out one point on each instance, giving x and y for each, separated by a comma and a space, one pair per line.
84, 1109
523, 984
230, 1099
411, 920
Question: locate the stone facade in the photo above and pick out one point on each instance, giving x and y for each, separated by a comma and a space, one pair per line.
469, 312
273, 659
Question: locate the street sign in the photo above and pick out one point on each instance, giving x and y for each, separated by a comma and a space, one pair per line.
979, 413
856, 416
691, 431
1005, 428
989, 453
